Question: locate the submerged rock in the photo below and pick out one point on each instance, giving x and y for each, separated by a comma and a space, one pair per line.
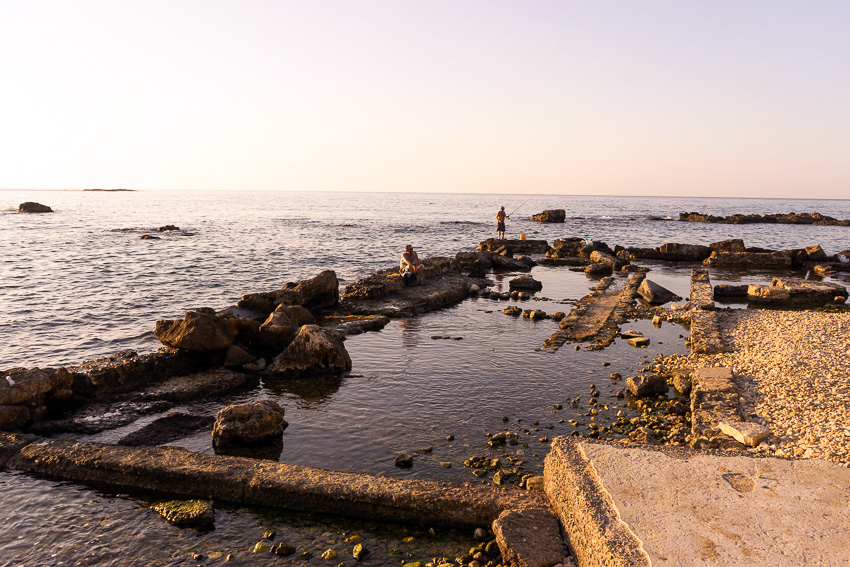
252, 423
30, 207
186, 512
168, 228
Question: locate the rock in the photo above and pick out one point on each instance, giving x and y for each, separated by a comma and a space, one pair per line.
513, 311
14, 417
360, 552
314, 350
750, 259
557, 315
31, 386
404, 461
816, 254
199, 331
638, 341
767, 294
30, 207
186, 512
283, 324
166, 429
283, 549
810, 290
630, 334
149, 237
729, 290
685, 252
682, 382
732, 245
480, 534
600, 257
823, 269
599, 270
645, 385
252, 423
550, 215
237, 356
474, 289
329, 554
538, 315
656, 321
525, 282
534, 483
319, 292
656, 294
746, 432
168, 228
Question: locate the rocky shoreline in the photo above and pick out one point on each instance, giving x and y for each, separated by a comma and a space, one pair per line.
781, 371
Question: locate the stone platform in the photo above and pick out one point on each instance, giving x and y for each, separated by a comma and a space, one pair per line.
630, 506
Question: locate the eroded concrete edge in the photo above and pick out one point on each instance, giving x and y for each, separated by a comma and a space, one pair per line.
595, 532
252, 482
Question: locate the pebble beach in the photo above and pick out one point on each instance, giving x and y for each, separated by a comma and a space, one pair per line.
792, 370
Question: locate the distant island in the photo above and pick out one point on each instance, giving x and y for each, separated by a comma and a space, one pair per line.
109, 190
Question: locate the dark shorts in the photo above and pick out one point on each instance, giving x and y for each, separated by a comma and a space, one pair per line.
500, 227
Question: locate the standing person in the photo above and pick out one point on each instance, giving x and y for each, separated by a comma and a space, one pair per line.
410, 266
500, 227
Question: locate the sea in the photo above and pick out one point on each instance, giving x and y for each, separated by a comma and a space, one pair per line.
92, 279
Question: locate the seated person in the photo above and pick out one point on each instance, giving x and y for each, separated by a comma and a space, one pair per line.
411, 267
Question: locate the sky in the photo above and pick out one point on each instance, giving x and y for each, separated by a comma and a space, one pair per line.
721, 98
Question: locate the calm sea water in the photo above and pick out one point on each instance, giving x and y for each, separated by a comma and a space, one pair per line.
80, 283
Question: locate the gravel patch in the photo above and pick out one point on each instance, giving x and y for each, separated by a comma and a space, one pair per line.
793, 372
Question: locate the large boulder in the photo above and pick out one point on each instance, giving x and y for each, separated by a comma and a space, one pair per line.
314, 350
525, 282
810, 290
550, 215
30, 207
656, 294
600, 257
251, 423
282, 325
316, 293
199, 331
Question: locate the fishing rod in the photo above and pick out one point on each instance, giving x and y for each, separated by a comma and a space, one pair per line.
518, 208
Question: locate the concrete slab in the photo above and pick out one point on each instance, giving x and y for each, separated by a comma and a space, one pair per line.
667, 506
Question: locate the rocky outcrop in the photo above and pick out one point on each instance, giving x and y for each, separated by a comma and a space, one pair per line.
780, 218
282, 325
516, 246
731, 245
199, 331
26, 394
656, 294
186, 512
319, 292
673, 252
550, 215
252, 423
601, 269
30, 207
313, 351
781, 259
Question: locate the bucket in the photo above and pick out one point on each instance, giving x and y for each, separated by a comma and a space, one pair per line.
522, 237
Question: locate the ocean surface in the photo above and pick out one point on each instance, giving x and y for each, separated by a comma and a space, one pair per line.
80, 283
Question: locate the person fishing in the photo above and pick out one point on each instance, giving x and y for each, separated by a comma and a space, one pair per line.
410, 267
500, 226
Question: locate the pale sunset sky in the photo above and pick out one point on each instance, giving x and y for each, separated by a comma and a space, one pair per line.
702, 98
